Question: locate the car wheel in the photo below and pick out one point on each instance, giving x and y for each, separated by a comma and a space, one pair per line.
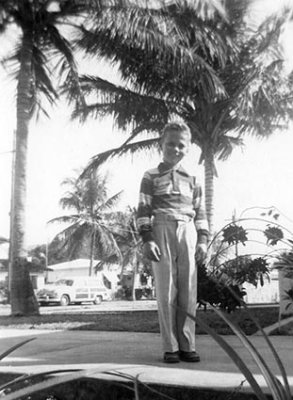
64, 301
98, 300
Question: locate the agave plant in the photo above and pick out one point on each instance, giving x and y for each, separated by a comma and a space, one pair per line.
279, 390
49, 384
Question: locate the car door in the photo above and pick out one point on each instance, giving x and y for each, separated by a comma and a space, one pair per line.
93, 283
81, 290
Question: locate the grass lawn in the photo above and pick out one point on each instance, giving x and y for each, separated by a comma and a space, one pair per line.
137, 321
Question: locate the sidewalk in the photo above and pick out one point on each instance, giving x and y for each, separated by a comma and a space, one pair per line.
138, 353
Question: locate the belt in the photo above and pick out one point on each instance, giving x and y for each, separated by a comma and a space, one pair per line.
170, 217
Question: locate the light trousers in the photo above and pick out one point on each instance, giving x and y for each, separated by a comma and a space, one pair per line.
176, 282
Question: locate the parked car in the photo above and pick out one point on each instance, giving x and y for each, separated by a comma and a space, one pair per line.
76, 290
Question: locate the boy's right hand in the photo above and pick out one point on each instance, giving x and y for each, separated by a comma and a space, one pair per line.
152, 251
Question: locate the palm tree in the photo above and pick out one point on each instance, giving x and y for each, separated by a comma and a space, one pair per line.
223, 80
41, 53
88, 232
42, 56
130, 244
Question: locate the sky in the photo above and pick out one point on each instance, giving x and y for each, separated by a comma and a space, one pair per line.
260, 174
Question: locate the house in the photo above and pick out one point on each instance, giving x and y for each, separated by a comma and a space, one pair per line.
4, 252
37, 274
268, 293
80, 267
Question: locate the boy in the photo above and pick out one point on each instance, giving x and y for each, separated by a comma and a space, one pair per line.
174, 229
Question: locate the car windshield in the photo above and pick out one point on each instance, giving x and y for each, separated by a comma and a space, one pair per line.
67, 282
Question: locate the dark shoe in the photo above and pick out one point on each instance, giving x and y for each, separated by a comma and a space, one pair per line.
171, 357
189, 356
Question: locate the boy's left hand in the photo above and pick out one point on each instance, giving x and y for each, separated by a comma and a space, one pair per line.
201, 252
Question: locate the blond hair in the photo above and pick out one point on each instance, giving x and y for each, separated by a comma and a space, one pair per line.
179, 127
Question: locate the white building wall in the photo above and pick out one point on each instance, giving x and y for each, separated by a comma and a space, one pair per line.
80, 267
268, 293
56, 274
3, 275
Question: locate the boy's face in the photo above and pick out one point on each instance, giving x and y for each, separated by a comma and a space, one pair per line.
175, 146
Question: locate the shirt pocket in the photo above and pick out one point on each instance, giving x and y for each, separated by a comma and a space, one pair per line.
162, 186
185, 188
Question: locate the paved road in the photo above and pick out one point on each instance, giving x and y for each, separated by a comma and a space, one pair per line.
121, 305
117, 305
80, 347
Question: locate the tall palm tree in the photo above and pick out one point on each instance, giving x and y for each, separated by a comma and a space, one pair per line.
224, 80
41, 53
88, 232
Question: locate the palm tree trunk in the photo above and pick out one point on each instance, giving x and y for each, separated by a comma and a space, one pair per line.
22, 298
92, 255
209, 188
135, 266
134, 279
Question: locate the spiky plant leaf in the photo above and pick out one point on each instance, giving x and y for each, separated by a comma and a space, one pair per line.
11, 349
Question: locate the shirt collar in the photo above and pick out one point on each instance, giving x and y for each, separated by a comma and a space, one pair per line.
163, 167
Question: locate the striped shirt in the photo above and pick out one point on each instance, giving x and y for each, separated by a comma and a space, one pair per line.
172, 192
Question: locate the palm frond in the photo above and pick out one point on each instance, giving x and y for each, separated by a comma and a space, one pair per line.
66, 219
41, 74
59, 239
133, 253
73, 242
110, 202
130, 148
65, 67
3, 240
153, 127
93, 192
226, 146
125, 105
135, 50
108, 261
47, 47
77, 9
72, 200
105, 244
5, 18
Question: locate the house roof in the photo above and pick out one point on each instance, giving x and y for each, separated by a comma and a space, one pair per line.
73, 264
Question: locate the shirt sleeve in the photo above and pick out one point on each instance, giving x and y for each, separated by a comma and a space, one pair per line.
201, 222
144, 211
